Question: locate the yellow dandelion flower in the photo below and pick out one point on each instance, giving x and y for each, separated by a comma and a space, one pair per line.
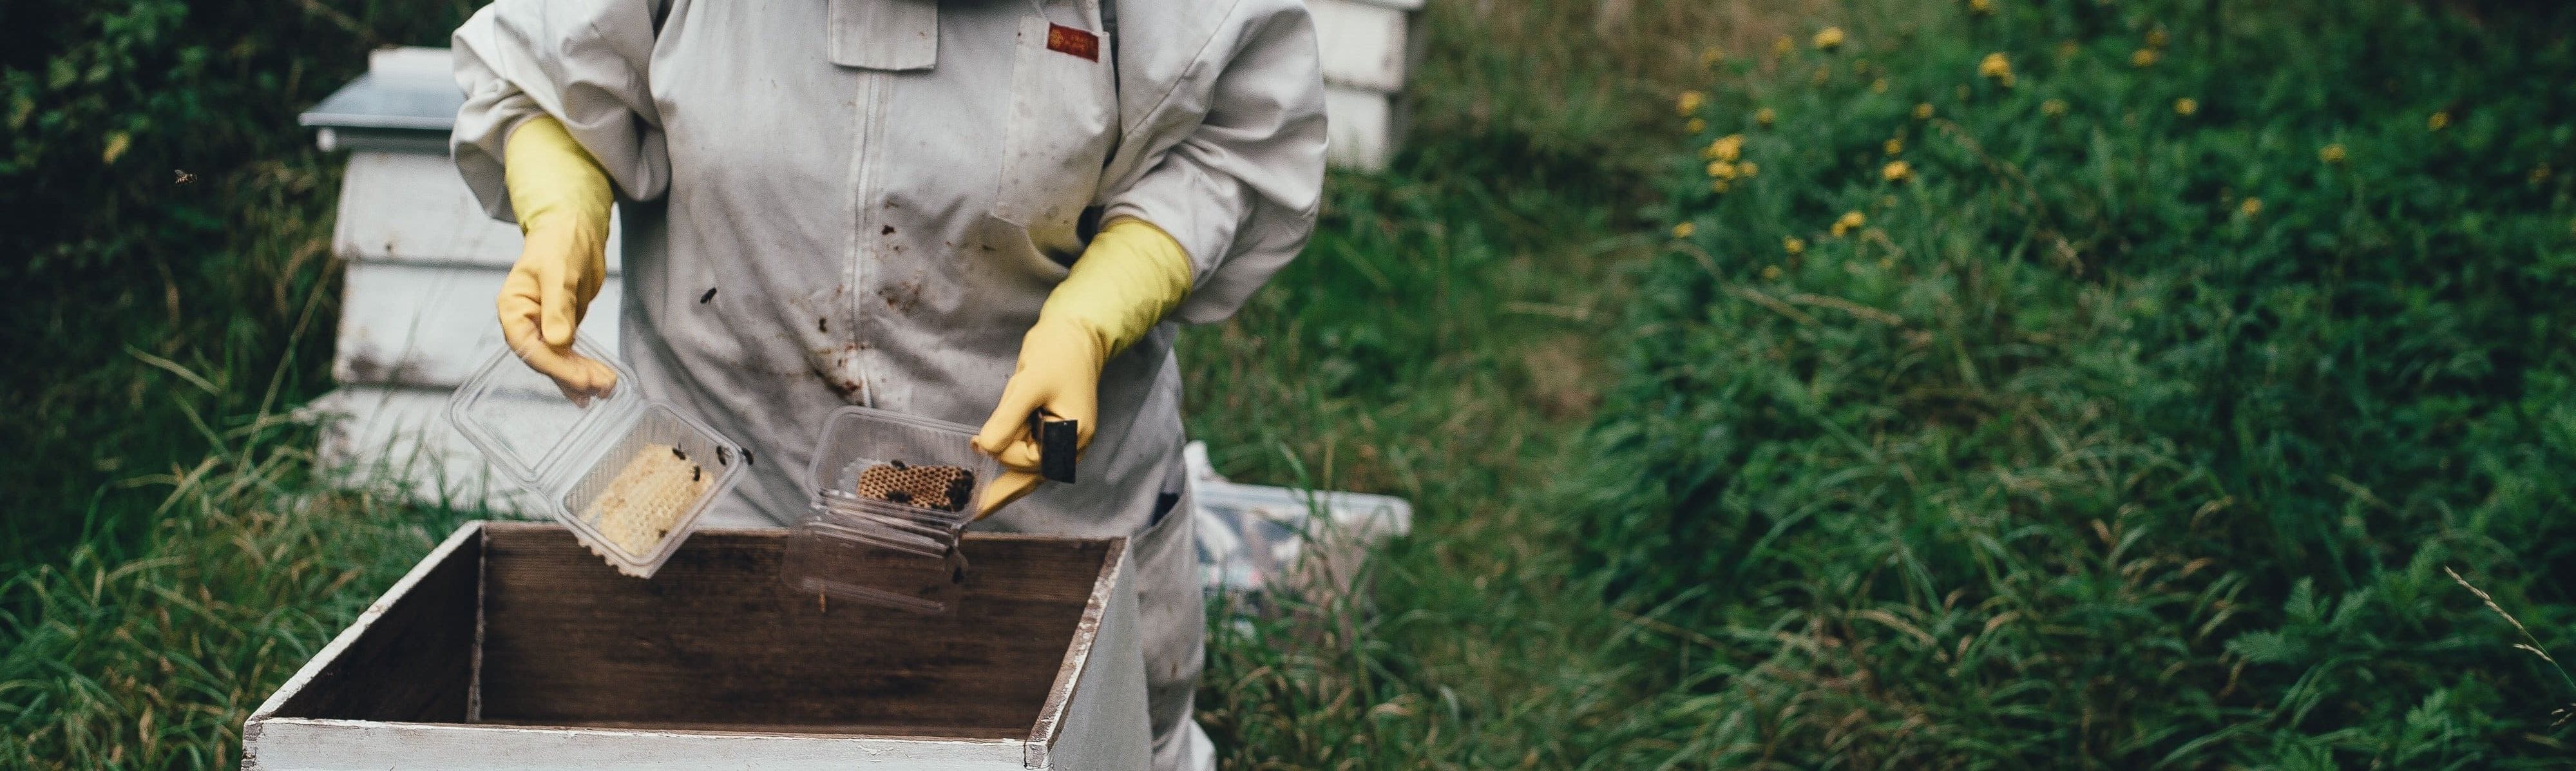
1981, 7
1893, 145
1747, 169
1897, 171
1721, 170
2439, 121
2251, 207
1728, 148
1783, 45
1770, 272
1720, 187
2053, 108
2156, 38
1850, 221
1923, 111
2145, 57
1829, 39
1690, 102
2331, 153
1878, 86
1995, 66
1793, 245
1684, 230
1695, 126
1710, 56
2186, 107
1764, 117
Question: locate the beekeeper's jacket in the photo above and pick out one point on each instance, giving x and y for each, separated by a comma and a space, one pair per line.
828, 202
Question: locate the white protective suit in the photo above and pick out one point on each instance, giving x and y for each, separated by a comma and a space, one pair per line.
828, 202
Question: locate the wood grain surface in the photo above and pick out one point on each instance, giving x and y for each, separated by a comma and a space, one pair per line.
717, 638
411, 663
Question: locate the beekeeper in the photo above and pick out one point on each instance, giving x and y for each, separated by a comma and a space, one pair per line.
960, 209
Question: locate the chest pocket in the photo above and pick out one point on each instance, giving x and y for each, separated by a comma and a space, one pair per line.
1063, 122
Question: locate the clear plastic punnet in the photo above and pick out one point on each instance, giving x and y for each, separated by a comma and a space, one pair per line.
891, 496
629, 476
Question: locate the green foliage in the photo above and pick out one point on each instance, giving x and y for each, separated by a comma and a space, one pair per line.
150, 654
2121, 431
107, 105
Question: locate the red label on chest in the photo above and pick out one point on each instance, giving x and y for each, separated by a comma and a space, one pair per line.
1078, 42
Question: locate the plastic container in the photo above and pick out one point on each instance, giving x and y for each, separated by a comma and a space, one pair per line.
565, 454
891, 496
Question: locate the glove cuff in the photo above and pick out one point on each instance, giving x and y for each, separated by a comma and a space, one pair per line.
553, 182
1125, 282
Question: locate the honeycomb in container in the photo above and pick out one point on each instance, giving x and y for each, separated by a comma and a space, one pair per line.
646, 498
941, 488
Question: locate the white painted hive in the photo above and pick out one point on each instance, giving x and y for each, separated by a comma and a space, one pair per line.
508, 648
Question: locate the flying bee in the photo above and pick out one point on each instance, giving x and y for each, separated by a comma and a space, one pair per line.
182, 177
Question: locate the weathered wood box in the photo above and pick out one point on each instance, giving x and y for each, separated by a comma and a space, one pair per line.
510, 647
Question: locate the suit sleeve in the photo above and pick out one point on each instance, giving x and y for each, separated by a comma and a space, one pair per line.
1232, 157
585, 62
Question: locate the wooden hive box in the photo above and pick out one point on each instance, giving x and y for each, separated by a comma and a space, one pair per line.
510, 647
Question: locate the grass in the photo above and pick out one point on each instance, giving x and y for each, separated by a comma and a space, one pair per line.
2035, 467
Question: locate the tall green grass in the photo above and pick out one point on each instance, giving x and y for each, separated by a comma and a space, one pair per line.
152, 661
2133, 422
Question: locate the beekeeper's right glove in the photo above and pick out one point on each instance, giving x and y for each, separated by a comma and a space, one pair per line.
562, 198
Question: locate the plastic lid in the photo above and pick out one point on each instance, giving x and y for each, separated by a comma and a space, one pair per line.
527, 427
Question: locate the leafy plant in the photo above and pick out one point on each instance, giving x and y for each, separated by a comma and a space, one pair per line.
2087, 384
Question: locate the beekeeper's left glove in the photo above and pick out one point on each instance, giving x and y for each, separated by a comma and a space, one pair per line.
562, 198
1132, 274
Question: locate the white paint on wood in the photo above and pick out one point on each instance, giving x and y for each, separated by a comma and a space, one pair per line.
397, 442
1363, 44
429, 326
412, 62
413, 208
339, 645
1095, 722
306, 744
1101, 724
1363, 128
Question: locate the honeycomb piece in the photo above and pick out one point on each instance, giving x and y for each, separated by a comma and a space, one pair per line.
646, 498
940, 488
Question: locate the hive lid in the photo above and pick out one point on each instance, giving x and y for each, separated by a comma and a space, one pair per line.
406, 102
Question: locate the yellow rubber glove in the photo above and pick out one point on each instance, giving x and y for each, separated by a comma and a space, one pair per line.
562, 198
1130, 276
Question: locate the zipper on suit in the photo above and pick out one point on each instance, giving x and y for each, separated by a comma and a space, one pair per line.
864, 214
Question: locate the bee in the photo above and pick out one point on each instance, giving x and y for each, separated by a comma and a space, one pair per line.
182, 177
710, 295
